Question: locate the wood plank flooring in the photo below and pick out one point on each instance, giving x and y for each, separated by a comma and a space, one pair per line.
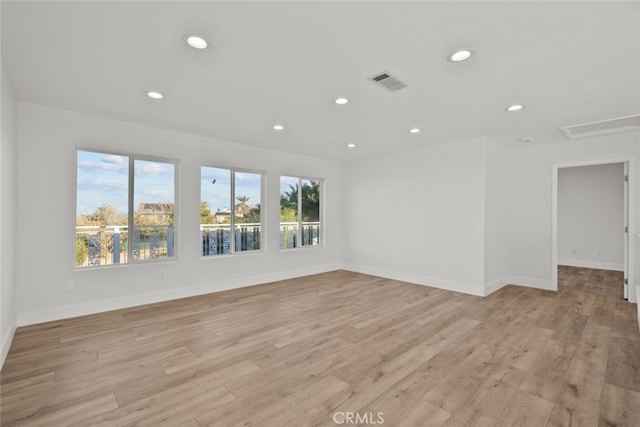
606, 283
301, 352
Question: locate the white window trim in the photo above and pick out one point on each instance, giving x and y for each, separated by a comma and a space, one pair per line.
132, 157
321, 235
232, 183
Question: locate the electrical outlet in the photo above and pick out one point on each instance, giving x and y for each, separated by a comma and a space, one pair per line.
573, 252
596, 252
163, 275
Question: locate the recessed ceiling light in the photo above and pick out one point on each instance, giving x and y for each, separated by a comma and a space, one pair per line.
414, 130
341, 101
460, 55
515, 107
153, 94
278, 127
351, 145
526, 139
197, 42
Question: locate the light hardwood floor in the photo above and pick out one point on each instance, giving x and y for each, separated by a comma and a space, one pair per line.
298, 352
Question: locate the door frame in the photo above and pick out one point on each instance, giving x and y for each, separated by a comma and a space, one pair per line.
630, 199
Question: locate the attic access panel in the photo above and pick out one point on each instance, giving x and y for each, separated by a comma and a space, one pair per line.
603, 127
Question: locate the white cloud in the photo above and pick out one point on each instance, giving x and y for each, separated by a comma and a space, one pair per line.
113, 159
100, 184
152, 169
243, 177
93, 166
163, 193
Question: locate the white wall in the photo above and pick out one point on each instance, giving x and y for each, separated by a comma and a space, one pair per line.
530, 195
591, 216
479, 216
460, 216
497, 217
418, 216
46, 190
8, 160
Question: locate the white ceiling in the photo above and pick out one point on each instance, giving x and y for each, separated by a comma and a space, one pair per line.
285, 62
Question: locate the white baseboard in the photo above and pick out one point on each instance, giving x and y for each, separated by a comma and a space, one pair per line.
495, 285
6, 345
467, 288
591, 264
92, 307
530, 282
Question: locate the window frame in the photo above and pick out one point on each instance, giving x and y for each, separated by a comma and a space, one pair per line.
132, 157
232, 223
321, 234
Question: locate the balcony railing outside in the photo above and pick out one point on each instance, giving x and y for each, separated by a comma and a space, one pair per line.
216, 238
108, 245
310, 232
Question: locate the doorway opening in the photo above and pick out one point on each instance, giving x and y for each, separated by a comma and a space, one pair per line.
591, 210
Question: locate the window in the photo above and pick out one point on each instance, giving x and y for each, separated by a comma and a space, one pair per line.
230, 217
124, 209
299, 212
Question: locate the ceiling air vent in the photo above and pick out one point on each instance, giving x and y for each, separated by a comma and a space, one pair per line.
387, 81
604, 127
